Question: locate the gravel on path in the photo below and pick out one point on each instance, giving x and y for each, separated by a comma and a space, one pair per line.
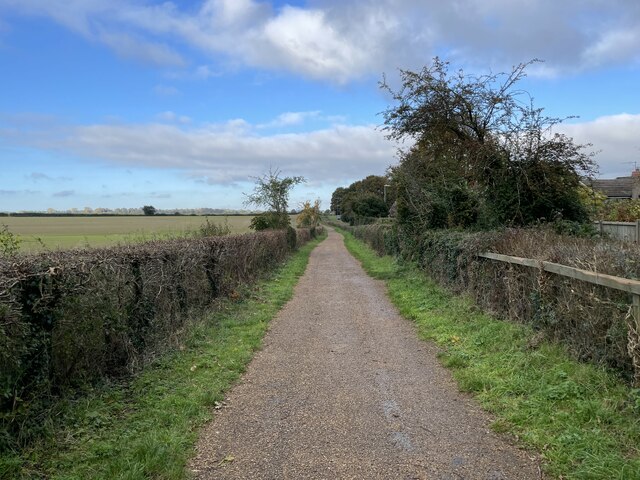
344, 389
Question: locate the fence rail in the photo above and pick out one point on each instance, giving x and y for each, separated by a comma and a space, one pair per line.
609, 281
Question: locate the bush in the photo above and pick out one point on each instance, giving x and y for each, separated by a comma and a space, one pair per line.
270, 221
9, 243
212, 229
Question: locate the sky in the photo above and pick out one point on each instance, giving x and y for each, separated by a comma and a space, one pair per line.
181, 104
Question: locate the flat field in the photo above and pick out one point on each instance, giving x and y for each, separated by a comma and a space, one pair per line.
38, 233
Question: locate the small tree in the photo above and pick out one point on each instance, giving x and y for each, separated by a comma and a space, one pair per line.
149, 210
272, 192
309, 215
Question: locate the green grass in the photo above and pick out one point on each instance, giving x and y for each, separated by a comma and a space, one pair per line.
39, 233
147, 429
583, 420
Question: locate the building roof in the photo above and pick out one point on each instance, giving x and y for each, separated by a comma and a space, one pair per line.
621, 187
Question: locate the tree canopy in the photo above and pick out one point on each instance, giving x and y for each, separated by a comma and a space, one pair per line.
481, 153
363, 199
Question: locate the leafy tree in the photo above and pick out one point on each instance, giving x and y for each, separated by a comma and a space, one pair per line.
336, 200
363, 198
369, 205
272, 192
482, 146
309, 216
149, 210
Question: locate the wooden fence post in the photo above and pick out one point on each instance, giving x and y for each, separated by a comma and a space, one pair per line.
637, 231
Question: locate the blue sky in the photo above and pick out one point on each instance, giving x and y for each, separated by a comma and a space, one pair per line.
121, 103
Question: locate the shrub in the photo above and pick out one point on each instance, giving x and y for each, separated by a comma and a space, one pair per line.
212, 229
270, 221
9, 243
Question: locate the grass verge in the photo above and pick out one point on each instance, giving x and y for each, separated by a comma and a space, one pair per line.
147, 429
583, 420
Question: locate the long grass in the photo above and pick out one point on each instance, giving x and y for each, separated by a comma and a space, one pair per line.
148, 427
583, 420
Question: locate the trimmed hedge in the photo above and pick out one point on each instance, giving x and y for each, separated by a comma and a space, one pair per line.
70, 318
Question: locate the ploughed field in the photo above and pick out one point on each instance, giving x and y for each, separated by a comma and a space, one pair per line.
38, 233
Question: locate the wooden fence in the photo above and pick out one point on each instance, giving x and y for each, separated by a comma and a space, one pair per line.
625, 231
624, 284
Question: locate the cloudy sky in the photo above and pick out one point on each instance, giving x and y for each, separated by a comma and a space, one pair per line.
120, 103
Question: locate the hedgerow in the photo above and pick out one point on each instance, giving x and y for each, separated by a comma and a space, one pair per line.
72, 318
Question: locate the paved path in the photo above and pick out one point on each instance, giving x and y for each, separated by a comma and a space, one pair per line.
344, 389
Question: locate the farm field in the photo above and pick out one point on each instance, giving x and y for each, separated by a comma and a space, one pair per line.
38, 233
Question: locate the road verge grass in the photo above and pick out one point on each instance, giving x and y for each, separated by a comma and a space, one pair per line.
148, 428
584, 421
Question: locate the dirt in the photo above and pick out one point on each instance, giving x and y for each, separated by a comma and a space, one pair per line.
343, 388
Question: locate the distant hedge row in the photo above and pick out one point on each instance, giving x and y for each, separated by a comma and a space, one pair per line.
593, 322
72, 317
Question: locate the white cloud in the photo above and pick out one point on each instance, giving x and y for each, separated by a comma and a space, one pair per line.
304, 41
223, 153
614, 137
342, 40
615, 46
288, 119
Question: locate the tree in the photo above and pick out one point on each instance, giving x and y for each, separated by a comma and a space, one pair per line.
480, 139
149, 210
336, 200
363, 198
272, 192
309, 214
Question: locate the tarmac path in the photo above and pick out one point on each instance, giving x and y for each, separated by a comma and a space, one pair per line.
344, 389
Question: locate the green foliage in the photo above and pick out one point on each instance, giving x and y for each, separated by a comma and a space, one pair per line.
9, 242
483, 155
270, 221
618, 210
309, 216
336, 200
363, 199
593, 201
582, 419
149, 210
272, 192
